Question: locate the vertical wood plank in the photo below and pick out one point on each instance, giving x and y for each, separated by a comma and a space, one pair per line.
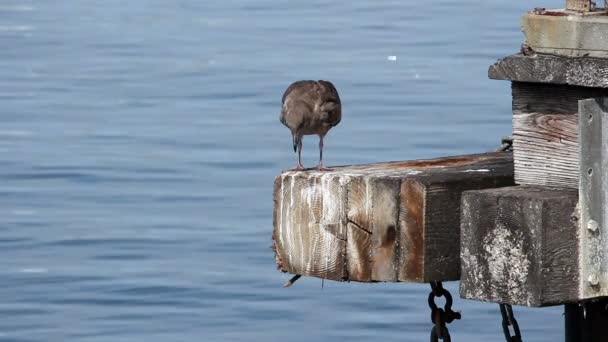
384, 223
411, 231
359, 242
594, 197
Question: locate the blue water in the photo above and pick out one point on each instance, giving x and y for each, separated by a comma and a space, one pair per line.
139, 141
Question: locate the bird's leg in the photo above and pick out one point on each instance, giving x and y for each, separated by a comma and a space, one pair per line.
298, 147
321, 167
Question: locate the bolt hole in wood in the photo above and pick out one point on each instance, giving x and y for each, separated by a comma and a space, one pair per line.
590, 171
590, 118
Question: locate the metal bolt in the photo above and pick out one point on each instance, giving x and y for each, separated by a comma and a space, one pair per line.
593, 280
592, 225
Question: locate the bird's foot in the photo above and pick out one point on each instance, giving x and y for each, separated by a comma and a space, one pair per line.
299, 167
322, 167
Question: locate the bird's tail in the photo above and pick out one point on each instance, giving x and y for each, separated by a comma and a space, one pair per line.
297, 140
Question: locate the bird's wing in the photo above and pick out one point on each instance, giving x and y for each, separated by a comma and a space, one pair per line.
297, 95
330, 101
328, 92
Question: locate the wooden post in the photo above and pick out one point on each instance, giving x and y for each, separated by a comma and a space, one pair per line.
395, 221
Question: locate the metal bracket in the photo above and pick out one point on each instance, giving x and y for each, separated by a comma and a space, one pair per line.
593, 197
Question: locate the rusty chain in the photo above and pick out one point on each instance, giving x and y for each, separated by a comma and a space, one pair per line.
508, 319
441, 316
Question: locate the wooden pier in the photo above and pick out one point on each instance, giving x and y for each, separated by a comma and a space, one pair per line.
523, 228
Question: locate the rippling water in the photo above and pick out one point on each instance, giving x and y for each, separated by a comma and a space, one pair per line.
139, 141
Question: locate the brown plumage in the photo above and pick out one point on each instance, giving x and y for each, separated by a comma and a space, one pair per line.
310, 107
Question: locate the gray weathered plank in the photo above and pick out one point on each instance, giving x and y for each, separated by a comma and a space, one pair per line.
593, 192
546, 149
539, 68
395, 221
545, 131
519, 245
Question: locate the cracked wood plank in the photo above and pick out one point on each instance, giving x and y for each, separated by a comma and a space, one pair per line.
393, 221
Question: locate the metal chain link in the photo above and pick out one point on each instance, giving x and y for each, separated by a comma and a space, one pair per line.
441, 317
508, 319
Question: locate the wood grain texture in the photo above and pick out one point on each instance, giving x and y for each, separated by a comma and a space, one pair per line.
317, 243
359, 231
384, 222
545, 131
539, 68
519, 245
411, 232
394, 221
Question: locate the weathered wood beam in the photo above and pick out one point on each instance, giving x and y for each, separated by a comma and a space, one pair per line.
539, 68
519, 245
394, 221
546, 132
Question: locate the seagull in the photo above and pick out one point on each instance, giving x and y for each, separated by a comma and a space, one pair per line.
310, 107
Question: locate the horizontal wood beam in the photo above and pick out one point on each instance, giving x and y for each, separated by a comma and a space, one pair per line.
539, 68
546, 132
519, 245
394, 221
